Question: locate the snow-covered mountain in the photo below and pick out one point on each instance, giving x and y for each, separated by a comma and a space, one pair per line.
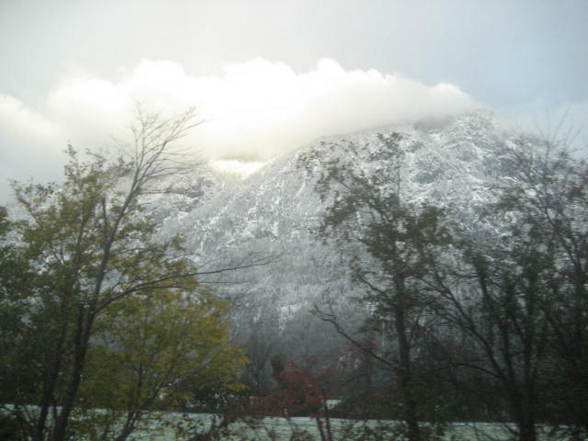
276, 211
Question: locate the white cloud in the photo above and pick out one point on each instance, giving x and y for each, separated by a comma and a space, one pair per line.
17, 120
89, 108
28, 143
253, 111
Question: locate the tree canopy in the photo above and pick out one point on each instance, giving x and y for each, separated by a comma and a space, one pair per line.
106, 299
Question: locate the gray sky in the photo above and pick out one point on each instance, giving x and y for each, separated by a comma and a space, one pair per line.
71, 68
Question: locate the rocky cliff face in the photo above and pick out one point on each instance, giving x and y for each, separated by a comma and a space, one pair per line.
275, 213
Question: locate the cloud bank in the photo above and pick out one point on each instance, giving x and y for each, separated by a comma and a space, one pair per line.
252, 112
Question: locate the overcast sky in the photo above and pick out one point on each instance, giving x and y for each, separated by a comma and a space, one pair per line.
268, 75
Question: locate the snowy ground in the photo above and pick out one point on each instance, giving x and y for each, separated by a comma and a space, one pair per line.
161, 427
283, 429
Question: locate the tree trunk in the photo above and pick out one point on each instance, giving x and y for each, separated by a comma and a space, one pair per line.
405, 373
82, 339
54, 371
523, 414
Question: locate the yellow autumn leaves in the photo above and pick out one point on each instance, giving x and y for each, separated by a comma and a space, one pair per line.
157, 349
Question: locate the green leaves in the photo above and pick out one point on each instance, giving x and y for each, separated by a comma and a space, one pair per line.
92, 257
153, 350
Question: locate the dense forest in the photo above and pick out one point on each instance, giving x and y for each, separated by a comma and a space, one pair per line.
434, 310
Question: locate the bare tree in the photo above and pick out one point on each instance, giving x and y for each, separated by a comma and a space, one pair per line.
517, 289
369, 209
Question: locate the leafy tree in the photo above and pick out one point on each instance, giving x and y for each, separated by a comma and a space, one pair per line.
91, 246
16, 371
156, 351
